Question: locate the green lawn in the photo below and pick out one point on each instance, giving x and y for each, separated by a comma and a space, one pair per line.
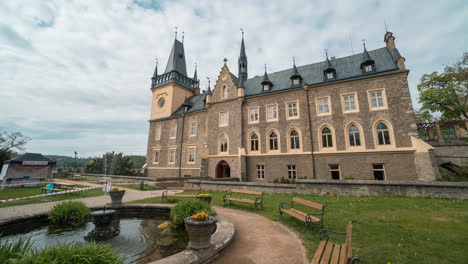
389, 229
29, 191
136, 187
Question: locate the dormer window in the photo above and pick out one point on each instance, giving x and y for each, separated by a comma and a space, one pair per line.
266, 87
296, 81
368, 68
330, 75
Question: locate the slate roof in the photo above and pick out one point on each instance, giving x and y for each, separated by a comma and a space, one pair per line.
196, 103
176, 61
30, 157
312, 74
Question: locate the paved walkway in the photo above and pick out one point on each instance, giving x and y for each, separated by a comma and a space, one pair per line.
12, 212
259, 240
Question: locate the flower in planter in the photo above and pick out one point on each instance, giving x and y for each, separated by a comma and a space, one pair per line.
204, 194
200, 217
117, 189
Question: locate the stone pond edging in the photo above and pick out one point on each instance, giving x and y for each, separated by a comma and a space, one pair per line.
454, 190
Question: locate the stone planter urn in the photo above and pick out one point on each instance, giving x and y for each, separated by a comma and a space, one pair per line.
200, 232
205, 198
116, 197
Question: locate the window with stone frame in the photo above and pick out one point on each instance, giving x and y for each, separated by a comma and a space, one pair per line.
156, 156
349, 102
294, 140
273, 141
193, 129
334, 171
225, 92
191, 155
272, 112
253, 114
292, 172
172, 156
293, 109
158, 133
323, 105
354, 136
254, 142
377, 99
260, 171
383, 134
327, 138
223, 143
223, 118
174, 131
379, 171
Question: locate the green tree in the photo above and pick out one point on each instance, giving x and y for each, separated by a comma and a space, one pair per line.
111, 163
10, 143
447, 92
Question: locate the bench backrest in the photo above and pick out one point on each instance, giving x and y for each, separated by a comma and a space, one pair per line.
246, 192
184, 188
348, 245
308, 203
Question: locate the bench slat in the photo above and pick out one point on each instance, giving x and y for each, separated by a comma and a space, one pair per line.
336, 254
298, 212
181, 195
242, 200
308, 203
319, 252
246, 192
349, 240
343, 256
184, 188
293, 214
328, 252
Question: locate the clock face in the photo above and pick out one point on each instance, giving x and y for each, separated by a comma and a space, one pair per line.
161, 102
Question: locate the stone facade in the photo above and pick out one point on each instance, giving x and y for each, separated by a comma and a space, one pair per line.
224, 115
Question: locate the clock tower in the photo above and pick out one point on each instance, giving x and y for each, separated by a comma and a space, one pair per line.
170, 89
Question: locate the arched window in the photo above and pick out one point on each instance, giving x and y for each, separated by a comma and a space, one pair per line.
273, 141
354, 136
383, 134
327, 139
294, 139
254, 142
223, 144
225, 92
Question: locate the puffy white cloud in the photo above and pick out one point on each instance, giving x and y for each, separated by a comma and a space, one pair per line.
75, 75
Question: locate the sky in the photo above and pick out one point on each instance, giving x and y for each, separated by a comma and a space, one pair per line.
75, 74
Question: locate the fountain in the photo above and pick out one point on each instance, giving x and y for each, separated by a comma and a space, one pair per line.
103, 228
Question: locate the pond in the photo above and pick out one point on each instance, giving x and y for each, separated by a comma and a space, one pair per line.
140, 240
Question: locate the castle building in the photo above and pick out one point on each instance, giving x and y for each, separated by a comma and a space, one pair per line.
342, 118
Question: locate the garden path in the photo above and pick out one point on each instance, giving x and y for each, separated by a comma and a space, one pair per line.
15, 212
259, 240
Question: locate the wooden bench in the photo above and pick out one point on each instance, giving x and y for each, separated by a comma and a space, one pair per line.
331, 253
257, 201
44, 189
308, 218
165, 195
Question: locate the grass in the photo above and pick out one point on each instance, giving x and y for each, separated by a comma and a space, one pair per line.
29, 191
390, 229
136, 187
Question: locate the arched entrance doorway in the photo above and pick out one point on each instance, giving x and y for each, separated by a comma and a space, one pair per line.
223, 170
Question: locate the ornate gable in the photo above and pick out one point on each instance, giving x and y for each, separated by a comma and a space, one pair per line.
226, 85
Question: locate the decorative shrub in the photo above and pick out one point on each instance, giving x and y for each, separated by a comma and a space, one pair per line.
72, 254
14, 250
187, 208
69, 213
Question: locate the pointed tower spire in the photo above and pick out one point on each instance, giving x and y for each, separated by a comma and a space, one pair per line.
243, 74
365, 55
176, 60
266, 83
296, 77
195, 77
208, 90
155, 74
329, 73
328, 64
367, 63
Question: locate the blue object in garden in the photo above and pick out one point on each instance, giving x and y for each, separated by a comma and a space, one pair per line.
51, 186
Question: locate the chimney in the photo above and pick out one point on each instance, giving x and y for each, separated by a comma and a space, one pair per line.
389, 40
333, 58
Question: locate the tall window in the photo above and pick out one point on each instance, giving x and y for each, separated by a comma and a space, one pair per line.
191, 155
225, 92
349, 102
254, 142
294, 138
292, 109
174, 131
223, 118
156, 157
327, 139
323, 105
292, 172
171, 156
354, 137
379, 171
260, 171
253, 114
158, 132
272, 112
223, 144
334, 171
377, 99
193, 131
383, 134
273, 141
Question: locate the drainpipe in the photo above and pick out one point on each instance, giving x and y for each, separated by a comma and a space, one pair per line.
310, 133
181, 146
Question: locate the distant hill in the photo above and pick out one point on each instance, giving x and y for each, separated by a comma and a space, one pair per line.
71, 162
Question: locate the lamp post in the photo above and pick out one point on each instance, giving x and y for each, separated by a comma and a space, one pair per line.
76, 161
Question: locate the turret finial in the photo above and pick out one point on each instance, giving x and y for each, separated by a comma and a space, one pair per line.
364, 43
183, 35
265, 67
242, 33
175, 32
294, 60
